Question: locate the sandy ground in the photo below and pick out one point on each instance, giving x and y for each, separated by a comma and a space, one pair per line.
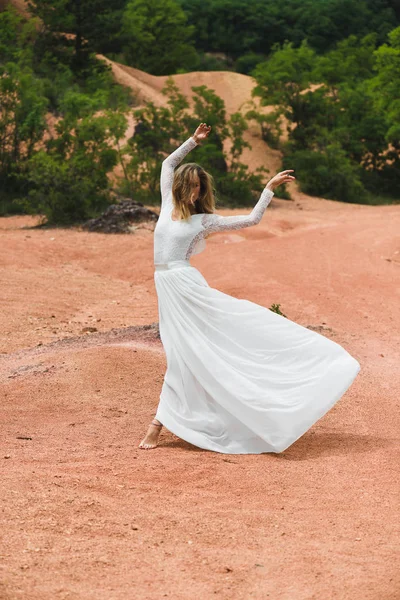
234, 88
87, 515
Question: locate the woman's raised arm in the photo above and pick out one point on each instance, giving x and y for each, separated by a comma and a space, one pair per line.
168, 167
174, 159
213, 222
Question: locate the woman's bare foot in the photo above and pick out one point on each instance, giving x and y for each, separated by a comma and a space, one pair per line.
151, 438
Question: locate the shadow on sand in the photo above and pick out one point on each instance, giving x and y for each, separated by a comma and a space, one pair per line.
310, 446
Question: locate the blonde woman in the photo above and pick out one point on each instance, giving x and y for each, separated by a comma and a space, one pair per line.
240, 378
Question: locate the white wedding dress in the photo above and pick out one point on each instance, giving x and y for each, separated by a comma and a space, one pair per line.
240, 378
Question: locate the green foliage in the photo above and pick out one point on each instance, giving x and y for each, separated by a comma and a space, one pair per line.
161, 130
287, 72
245, 27
338, 129
331, 69
276, 309
270, 124
50, 60
157, 37
62, 191
327, 172
236, 188
359, 127
90, 22
385, 86
384, 95
248, 62
240, 30
351, 60
10, 23
60, 171
69, 180
22, 120
283, 81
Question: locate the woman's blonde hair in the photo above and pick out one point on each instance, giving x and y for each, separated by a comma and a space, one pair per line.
181, 190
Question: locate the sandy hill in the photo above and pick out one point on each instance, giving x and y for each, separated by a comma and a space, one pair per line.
234, 88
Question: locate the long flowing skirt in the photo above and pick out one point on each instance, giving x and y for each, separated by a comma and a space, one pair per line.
240, 378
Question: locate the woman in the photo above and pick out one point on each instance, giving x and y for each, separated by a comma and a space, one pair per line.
240, 378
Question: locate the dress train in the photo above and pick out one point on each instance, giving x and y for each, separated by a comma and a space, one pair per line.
240, 378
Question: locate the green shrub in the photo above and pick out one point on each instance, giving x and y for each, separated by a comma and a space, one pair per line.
328, 173
276, 309
62, 190
161, 130
247, 63
69, 182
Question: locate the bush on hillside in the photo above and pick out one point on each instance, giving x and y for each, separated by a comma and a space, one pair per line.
161, 130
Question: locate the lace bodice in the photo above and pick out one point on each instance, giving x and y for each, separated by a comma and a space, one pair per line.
179, 240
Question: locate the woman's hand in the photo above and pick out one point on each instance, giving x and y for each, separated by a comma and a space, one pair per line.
282, 177
201, 132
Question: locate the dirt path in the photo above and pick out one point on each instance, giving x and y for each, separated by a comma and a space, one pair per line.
89, 516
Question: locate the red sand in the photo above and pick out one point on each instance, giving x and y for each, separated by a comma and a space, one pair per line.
88, 515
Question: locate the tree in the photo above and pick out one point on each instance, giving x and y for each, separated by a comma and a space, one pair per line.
282, 80
351, 60
68, 178
90, 22
385, 91
22, 120
239, 27
386, 84
157, 37
357, 124
327, 171
336, 127
60, 171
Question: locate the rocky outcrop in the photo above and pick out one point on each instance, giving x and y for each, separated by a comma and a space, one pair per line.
122, 217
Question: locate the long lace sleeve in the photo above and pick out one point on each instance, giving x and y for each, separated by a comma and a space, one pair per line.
212, 222
167, 170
